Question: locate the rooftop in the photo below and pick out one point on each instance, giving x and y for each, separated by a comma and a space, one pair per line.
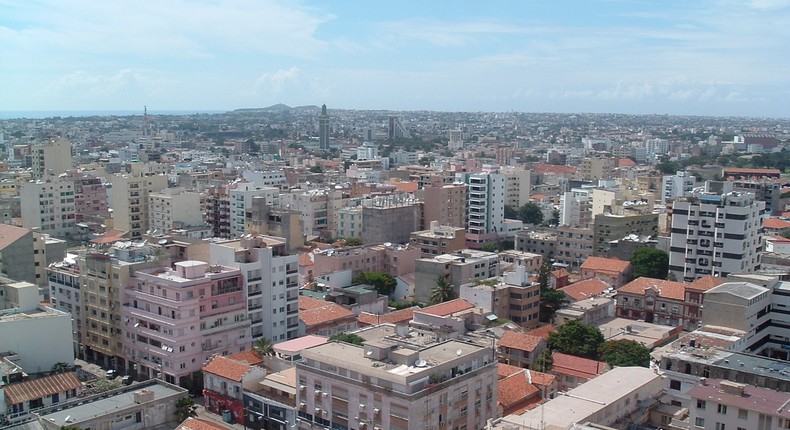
227, 368
744, 290
447, 308
519, 341
585, 289
665, 289
744, 397
42, 387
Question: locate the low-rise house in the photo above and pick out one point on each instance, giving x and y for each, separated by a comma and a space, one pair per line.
573, 371
448, 317
610, 270
401, 316
325, 318
654, 301
722, 404
225, 380
519, 349
517, 394
23, 397
585, 289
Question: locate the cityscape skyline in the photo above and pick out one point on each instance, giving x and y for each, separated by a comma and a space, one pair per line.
708, 58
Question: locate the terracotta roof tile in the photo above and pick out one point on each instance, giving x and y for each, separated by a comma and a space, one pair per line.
448, 308
395, 317
317, 312
515, 388
705, 283
577, 366
665, 289
249, 357
585, 289
305, 260
227, 368
776, 224
504, 370
613, 265
519, 341
559, 273
46, 386
625, 162
543, 332
542, 379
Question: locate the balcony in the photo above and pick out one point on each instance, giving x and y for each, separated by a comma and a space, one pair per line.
224, 327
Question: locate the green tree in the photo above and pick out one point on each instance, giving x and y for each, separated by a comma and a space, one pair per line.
348, 338
490, 247
185, 408
316, 169
263, 347
443, 291
530, 213
383, 282
550, 301
543, 362
61, 367
577, 338
650, 262
625, 352
511, 212
544, 275
353, 241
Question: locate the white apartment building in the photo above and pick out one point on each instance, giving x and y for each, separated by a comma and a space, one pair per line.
49, 206
130, 201
52, 158
241, 195
349, 222
266, 178
680, 184
174, 208
724, 405
518, 183
272, 283
485, 203
716, 235
396, 380
575, 208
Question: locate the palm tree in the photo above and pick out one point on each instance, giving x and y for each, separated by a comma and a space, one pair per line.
443, 291
263, 347
186, 408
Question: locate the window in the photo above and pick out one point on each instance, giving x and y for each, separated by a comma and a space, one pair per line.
700, 404
722, 409
719, 426
743, 414
674, 384
699, 422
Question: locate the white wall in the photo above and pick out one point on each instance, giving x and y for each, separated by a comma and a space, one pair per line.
40, 342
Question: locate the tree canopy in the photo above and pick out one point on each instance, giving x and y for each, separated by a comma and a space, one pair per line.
625, 352
530, 213
443, 291
383, 282
577, 338
263, 347
348, 338
650, 262
550, 301
186, 408
543, 362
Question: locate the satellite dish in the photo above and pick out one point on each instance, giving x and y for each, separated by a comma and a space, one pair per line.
162, 242
421, 363
459, 352
368, 353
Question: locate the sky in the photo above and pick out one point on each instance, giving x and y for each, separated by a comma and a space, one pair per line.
700, 57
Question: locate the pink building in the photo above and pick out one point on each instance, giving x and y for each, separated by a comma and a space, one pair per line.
396, 260
177, 319
90, 195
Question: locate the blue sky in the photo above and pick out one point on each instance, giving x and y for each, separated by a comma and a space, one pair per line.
701, 57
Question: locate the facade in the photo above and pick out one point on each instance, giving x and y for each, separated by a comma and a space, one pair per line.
262, 218
241, 195
37, 337
662, 302
130, 201
390, 219
519, 349
445, 204
349, 222
90, 196
179, 318
722, 404
65, 282
49, 206
271, 281
716, 235
741, 306
608, 227
678, 185
460, 268
20, 398
173, 208
514, 297
51, 158
537, 242
324, 318
439, 239
518, 183
394, 259
575, 208
225, 379
574, 245
16, 252
595, 168
396, 383
485, 215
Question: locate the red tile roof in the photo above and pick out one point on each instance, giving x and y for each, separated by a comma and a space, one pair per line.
776, 224
46, 386
504, 370
10, 234
395, 317
665, 289
625, 162
305, 260
249, 357
600, 264
448, 308
542, 379
514, 389
585, 289
705, 283
199, 424
519, 341
577, 366
227, 368
543, 332
559, 273
316, 312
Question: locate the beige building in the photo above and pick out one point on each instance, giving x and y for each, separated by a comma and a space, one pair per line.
262, 218
49, 206
173, 208
130, 201
52, 158
596, 168
397, 381
439, 239
349, 222
518, 183
390, 219
445, 204
459, 268
396, 260
608, 227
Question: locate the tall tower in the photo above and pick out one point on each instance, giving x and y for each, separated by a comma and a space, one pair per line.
323, 129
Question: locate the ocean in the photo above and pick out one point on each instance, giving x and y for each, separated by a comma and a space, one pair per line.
65, 114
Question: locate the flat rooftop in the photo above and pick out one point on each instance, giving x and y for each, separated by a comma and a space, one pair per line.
645, 333
91, 407
40, 312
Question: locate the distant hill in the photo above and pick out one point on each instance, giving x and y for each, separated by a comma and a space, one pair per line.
279, 107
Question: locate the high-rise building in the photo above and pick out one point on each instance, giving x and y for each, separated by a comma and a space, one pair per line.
485, 217
445, 204
396, 381
323, 129
52, 158
49, 205
518, 186
272, 283
173, 208
176, 319
715, 234
680, 184
390, 218
395, 129
130, 201
608, 227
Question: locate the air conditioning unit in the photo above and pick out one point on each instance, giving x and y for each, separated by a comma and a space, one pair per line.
302, 387
376, 410
318, 410
325, 394
317, 393
302, 404
361, 406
